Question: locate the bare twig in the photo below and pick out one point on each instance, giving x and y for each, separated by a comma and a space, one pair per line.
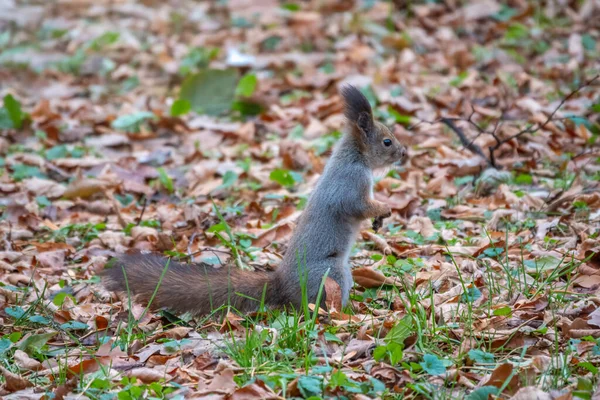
491, 159
139, 221
537, 127
465, 141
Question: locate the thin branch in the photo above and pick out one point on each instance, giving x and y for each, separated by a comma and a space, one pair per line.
537, 127
143, 210
465, 141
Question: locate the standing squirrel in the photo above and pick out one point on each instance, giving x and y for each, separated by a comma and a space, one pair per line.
321, 242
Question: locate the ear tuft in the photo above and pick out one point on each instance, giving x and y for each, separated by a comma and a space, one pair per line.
355, 104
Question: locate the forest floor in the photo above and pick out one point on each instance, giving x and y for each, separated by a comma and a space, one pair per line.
197, 129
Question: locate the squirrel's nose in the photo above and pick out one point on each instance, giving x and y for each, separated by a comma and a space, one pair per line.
403, 152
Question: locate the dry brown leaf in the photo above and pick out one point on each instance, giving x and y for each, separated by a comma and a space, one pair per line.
25, 362
14, 382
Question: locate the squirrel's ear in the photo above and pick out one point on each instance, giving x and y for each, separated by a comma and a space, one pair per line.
357, 109
364, 122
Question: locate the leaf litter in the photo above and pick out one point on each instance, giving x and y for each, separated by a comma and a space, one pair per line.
121, 123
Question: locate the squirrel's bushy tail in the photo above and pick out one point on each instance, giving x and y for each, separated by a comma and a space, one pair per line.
195, 288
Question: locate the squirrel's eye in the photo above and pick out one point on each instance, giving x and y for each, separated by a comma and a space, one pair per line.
387, 142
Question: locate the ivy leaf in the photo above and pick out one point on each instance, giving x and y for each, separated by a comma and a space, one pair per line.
481, 357
483, 393
471, 294
74, 326
38, 319
5, 345
22, 171
16, 312
432, 365
310, 385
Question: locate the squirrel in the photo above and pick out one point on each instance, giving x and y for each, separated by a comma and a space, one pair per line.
320, 244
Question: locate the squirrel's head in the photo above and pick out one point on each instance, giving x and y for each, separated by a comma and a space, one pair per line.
375, 141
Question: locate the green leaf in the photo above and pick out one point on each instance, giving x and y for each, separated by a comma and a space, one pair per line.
543, 263
379, 353
310, 385
60, 297
596, 107
503, 311
13, 107
588, 42
396, 353
524, 179
246, 108
34, 343
400, 332
132, 122
505, 14
180, 107
16, 312
210, 91
5, 345
74, 326
246, 85
291, 7
283, 177
330, 337
432, 365
229, 179
56, 152
493, 252
483, 393
577, 120
481, 357
589, 366
104, 40
22, 171
38, 319
400, 118
165, 180
459, 79
471, 294
220, 227
516, 31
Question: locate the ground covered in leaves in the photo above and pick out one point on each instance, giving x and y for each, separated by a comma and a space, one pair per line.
197, 129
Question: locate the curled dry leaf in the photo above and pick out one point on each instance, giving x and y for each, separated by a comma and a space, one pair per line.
333, 295
379, 242
148, 375
25, 362
84, 188
14, 382
368, 277
254, 391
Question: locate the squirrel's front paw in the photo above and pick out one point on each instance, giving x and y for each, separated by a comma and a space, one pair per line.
377, 223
